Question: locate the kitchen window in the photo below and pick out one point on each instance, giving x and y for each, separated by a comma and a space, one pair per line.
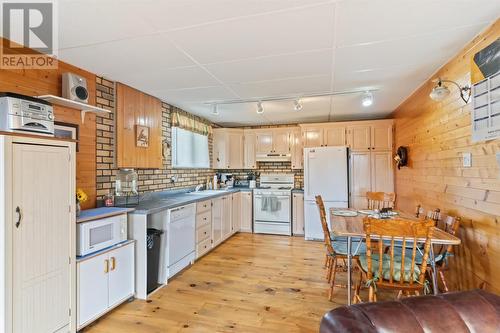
189, 149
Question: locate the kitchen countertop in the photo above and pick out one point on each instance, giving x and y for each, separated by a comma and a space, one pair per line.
102, 212
160, 201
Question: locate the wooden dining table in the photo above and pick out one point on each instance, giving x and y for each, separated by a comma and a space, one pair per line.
352, 227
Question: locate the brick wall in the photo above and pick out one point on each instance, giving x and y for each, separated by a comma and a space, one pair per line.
271, 167
149, 179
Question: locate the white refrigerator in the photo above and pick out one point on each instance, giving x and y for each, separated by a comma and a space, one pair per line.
326, 174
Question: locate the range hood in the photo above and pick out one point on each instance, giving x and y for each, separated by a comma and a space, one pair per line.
273, 157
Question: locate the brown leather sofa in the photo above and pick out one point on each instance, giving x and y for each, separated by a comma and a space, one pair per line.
468, 311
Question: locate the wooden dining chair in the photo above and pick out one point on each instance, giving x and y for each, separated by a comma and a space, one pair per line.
379, 200
388, 271
335, 249
451, 225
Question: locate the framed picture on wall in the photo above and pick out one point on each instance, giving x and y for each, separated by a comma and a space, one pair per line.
142, 136
67, 131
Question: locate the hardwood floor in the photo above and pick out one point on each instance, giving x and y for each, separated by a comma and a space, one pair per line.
250, 283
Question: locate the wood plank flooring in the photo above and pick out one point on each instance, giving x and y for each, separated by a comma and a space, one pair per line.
250, 283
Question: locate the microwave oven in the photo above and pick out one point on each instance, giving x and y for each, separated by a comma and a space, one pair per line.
99, 234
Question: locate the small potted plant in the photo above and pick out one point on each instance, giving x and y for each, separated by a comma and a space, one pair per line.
81, 197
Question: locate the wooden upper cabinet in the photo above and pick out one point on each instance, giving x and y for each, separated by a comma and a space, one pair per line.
227, 148
359, 137
334, 136
297, 150
382, 136
375, 135
281, 140
134, 108
249, 151
235, 149
273, 141
264, 142
312, 136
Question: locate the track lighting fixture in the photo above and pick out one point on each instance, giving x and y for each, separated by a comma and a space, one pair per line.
215, 111
367, 99
260, 108
440, 91
297, 106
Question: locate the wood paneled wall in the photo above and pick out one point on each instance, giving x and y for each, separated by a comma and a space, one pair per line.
437, 133
34, 82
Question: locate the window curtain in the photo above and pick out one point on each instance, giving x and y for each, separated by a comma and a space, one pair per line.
190, 123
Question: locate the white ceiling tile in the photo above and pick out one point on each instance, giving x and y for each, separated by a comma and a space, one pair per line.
88, 22
263, 35
116, 59
365, 21
191, 95
175, 78
274, 67
168, 15
285, 87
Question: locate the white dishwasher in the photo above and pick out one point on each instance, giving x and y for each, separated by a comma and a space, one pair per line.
177, 242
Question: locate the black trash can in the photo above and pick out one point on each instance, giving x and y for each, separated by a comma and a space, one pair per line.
153, 253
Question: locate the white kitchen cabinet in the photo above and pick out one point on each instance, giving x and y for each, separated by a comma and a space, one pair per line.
203, 227
370, 172
273, 140
298, 213
246, 211
236, 212
374, 136
104, 281
323, 135
228, 148
249, 149
297, 150
37, 233
227, 203
217, 212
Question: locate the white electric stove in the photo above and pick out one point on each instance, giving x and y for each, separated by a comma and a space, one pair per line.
272, 202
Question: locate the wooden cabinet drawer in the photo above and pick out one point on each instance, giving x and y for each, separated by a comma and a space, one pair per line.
203, 233
203, 206
203, 219
203, 247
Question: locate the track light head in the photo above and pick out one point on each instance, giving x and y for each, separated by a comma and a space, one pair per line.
260, 108
297, 106
367, 99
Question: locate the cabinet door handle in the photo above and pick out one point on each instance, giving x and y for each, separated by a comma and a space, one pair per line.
19, 216
113, 263
106, 266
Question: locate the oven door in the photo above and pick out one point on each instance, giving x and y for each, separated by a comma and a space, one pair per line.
266, 211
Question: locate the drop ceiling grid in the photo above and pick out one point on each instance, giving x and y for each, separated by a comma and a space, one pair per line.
222, 52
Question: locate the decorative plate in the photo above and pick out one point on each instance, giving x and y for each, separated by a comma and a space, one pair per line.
349, 213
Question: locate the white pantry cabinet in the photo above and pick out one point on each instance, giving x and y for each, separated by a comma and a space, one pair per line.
37, 230
104, 281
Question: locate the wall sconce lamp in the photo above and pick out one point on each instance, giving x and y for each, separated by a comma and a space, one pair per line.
440, 91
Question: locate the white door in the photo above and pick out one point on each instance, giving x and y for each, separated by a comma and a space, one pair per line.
325, 174
234, 144
334, 136
382, 137
360, 178
359, 137
236, 213
382, 171
226, 216
249, 150
281, 141
41, 241
246, 211
92, 275
217, 221
121, 274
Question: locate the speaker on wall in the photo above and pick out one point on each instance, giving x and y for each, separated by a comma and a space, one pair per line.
74, 87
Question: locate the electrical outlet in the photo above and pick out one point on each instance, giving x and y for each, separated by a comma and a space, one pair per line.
467, 160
